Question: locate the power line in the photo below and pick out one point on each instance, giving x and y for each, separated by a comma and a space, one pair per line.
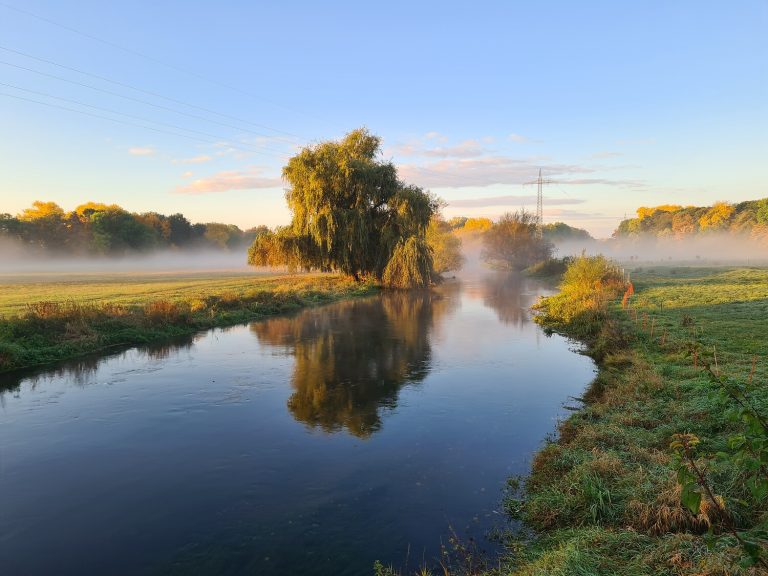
117, 94
161, 107
148, 57
133, 99
236, 146
470, 182
156, 94
174, 126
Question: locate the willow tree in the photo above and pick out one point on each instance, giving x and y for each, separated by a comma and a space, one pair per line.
351, 212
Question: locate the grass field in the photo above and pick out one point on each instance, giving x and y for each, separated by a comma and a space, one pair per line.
46, 319
18, 290
603, 498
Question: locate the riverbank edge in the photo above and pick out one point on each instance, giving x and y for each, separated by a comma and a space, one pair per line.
602, 499
53, 332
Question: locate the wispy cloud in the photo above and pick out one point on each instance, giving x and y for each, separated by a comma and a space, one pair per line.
436, 136
510, 200
634, 184
141, 151
202, 158
430, 144
466, 149
230, 180
577, 215
607, 154
485, 171
519, 138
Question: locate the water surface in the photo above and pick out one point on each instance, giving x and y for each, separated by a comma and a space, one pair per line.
309, 444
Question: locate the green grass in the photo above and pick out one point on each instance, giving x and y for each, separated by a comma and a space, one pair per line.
46, 319
602, 498
16, 291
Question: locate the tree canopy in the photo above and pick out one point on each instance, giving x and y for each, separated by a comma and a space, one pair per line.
512, 244
351, 213
746, 219
94, 228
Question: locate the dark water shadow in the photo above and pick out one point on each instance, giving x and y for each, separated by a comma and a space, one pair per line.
80, 371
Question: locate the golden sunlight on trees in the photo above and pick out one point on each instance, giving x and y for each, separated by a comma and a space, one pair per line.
95, 228
677, 223
716, 217
476, 226
445, 245
644, 212
351, 214
40, 210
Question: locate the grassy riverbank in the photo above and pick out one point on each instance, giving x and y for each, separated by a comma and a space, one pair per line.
49, 319
604, 499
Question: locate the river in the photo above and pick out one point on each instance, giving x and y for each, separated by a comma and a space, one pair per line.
308, 444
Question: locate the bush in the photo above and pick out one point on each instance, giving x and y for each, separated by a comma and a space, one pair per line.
589, 283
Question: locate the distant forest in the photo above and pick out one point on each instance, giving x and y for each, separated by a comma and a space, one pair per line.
745, 219
555, 232
95, 229
100, 229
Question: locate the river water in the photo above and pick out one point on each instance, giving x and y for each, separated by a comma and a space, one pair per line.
310, 444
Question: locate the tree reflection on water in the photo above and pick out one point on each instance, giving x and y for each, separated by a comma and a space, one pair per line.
352, 358
506, 295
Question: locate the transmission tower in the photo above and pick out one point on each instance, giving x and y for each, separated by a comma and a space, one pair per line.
539, 207
540, 183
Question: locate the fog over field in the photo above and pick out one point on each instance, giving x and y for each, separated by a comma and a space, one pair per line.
14, 259
719, 249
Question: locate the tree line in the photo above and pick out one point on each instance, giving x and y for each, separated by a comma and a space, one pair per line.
351, 213
93, 228
745, 219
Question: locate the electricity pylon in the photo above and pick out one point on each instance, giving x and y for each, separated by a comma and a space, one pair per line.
540, 183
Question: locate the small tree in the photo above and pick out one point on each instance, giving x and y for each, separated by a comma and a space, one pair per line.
512, 243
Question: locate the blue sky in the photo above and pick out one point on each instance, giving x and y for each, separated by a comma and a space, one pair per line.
199, 104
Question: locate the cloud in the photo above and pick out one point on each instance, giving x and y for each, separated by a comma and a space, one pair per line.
141, 151
436, 136
466, 149
606, 154
510, 200
195, 159
577, 215
426, 146
490, 170
230, 180
187, 174
485, 171
634, 184
519, 138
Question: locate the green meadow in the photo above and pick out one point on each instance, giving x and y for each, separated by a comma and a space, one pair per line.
683, 355
45, 319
